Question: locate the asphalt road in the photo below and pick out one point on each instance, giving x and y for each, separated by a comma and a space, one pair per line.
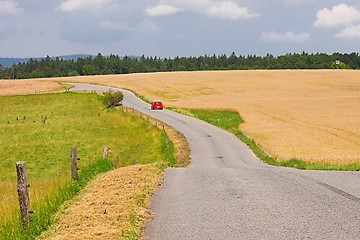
228, 193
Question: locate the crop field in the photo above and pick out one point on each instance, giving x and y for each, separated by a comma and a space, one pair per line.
11, 87
312, 115
41, 129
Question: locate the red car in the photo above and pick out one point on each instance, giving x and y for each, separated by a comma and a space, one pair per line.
157, 105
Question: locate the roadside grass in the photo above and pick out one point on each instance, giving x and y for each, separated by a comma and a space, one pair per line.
65, 86
41, 129
230, 121
142, 97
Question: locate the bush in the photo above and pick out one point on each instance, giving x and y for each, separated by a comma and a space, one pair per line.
113, 99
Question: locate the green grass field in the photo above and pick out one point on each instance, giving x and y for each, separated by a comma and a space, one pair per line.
41, 129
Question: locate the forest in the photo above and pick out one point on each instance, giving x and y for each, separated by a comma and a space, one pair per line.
113, 64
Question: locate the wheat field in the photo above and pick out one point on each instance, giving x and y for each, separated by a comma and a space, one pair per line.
17, 87
312, 115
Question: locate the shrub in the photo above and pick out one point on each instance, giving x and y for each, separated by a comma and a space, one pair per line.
113, 99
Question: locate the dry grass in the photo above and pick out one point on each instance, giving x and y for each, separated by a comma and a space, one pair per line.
105, 207
14, 87
313, 115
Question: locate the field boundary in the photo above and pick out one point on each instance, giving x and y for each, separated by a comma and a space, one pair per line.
259, 152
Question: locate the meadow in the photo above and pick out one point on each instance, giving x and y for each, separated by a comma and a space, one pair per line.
41, 129
311, 115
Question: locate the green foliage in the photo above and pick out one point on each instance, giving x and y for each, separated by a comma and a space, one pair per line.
341, 65
113, 64
89, 69
113, 99
73, 73
231, 121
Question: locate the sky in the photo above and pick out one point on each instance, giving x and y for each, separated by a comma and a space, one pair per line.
170, 28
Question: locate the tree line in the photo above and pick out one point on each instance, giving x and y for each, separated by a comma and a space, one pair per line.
113, 64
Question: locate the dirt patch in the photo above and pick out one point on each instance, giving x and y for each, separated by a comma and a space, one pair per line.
110, 207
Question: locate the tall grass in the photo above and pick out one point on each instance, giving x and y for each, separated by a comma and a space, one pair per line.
44, 210
230, 121
41, 129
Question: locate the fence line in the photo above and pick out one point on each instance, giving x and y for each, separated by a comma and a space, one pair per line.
74, 166
23, 185
23, 193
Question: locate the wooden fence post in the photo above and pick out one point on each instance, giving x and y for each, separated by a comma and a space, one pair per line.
74, 167
117, 161
106, 152
23, 193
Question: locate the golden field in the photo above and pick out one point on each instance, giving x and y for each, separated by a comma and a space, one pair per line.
12, 87
312, 115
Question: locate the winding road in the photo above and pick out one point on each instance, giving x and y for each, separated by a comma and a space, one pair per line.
228, 193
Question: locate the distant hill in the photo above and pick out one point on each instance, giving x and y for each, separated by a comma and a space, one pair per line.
8, 62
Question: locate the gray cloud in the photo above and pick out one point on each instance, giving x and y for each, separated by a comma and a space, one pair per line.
96, 6
10, 7
169, 28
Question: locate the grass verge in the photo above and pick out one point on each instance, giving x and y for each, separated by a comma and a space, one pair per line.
230, 121
44, 210
40, 130
112, 206
117, 202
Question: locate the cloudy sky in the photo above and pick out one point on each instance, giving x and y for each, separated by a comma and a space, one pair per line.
169, 28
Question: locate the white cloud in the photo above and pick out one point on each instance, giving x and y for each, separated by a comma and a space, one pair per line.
340, 15
228, 9
88, 5
161, 10
343, 16
350, 32
286, 37
9, 7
